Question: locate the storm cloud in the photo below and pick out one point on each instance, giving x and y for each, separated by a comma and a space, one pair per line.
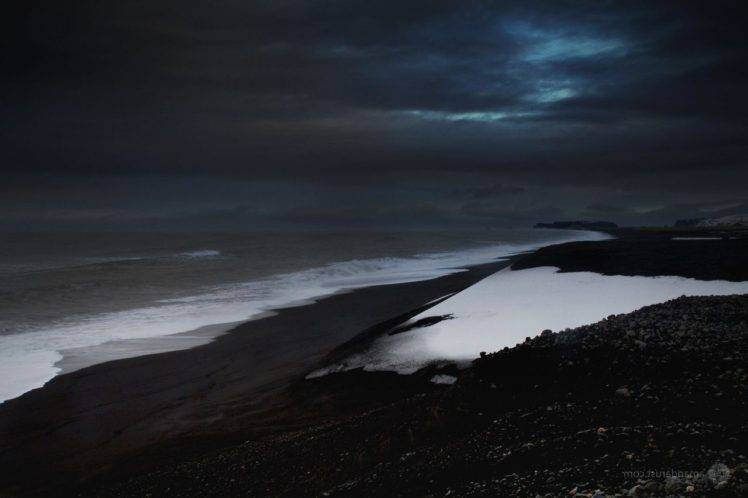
347, 112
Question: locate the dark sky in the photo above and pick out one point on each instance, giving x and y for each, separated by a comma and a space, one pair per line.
245, 114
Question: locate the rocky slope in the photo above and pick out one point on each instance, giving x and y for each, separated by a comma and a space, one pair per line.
652, 403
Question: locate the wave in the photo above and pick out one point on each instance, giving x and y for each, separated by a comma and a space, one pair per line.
206, 253
48, 266
37, 351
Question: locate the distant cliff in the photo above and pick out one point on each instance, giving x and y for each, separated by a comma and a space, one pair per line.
578, 225
734, 221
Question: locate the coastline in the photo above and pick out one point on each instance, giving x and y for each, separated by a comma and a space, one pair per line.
30, 359
109, 412
649, 403
176, 406
705, 254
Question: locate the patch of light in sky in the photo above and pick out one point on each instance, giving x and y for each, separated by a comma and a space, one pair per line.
553, 95
571, 48
482, 116
547, 45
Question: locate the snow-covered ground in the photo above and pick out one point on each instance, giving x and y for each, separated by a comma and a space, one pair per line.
508, 306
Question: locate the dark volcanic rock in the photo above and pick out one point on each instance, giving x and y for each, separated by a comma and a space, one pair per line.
651, 403
639, 253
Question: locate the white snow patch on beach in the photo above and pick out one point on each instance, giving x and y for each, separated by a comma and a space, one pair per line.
508, 306
442, 298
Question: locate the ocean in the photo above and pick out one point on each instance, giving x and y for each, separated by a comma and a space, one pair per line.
92, 297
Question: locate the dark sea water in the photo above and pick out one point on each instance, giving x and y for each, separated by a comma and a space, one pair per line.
67, 291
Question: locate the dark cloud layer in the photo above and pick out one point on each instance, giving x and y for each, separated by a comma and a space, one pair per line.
327, 111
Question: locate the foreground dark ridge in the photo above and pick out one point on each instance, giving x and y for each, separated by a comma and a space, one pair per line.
606, 409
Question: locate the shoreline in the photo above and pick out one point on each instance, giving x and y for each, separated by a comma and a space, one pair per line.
246, 385
172, 334
111, 411
599, 410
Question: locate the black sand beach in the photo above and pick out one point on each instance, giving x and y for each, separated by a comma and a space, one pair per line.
560, 412
132, 414
697, 253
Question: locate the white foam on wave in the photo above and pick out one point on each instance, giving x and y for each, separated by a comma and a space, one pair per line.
508, 306
25, 369
28, 360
